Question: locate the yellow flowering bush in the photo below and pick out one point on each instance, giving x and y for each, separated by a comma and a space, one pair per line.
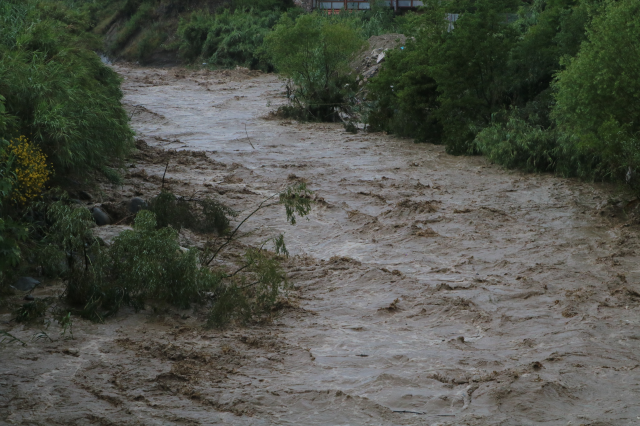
30, 169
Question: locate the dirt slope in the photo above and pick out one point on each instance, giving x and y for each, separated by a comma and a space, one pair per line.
430, 289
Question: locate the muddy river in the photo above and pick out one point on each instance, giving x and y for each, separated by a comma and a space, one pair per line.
428, 289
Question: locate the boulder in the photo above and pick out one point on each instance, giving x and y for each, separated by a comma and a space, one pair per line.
26, 284
136, 204
100, 216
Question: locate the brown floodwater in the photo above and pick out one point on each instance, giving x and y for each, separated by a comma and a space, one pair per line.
428, 289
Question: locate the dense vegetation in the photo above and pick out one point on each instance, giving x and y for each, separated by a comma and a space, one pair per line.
56, 90
538, 85
60, 113
222, 33
314, 53
227, 39
61, 122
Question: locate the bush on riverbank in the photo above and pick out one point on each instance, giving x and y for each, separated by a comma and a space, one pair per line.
539, 85
59, 111
314, 54
57, 90
222, 33
227, 39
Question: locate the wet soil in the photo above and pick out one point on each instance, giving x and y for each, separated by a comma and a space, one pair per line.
428, 289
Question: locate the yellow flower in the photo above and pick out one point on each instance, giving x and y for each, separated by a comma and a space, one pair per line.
30, 169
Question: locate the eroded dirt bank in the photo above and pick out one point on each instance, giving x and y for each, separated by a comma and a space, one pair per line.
429, 289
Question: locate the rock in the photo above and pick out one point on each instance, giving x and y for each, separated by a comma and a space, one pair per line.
29, 298
136, 204
26, 284
368, 61
100, 216
370, 72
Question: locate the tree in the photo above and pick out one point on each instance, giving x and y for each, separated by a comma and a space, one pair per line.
598, 94
470, 66
314, 53
404, 96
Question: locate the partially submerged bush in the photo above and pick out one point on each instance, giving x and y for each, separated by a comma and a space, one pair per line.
150, 264
200, 215
242, 300
314, 53
31, 311
143, 264
147, 264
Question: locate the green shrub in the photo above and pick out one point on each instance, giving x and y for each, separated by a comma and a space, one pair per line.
314, 53
449, 81
200, 215
147, 264
519, 144
245, 301
227, 39
141, 265
378, 20
597, 95
403, 96
452, 80
150, 264
171, 211
134, 24
296, 200
11, 232
470, 66
149, 42
58, 89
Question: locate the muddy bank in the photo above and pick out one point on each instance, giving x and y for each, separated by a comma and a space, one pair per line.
428, 289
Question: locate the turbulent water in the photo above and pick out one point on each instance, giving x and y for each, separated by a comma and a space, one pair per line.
428, 289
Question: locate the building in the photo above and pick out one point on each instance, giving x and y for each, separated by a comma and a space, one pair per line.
338, 5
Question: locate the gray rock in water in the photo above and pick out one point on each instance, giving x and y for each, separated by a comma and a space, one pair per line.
100, 217
136, 204
26, 284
